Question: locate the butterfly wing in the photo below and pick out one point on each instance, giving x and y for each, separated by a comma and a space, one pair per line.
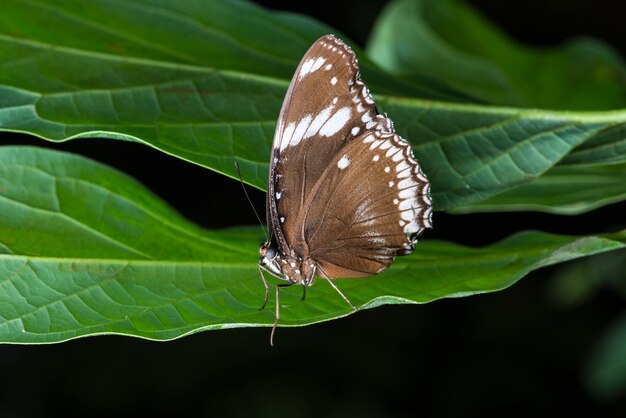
325, 108
344, 188
371, 204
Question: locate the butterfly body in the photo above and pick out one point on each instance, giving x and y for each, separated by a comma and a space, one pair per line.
294, 269
345, 193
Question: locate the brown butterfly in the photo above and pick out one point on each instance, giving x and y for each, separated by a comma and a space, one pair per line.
345, 193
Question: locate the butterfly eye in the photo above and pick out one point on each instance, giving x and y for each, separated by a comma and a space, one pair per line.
270, 253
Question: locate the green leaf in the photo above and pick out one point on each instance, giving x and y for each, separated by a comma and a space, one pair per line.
449, 41
567, 190
225, 35
62, 205
472, 152
120, 70
607, 147
85, 250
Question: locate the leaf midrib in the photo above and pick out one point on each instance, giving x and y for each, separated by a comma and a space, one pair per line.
143, 61
613, 116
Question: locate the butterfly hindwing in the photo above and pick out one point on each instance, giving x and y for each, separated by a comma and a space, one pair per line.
372, 204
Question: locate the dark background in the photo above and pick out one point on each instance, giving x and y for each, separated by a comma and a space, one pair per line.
516, 352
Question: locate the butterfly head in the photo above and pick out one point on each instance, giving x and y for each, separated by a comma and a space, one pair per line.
292, 269
269, 259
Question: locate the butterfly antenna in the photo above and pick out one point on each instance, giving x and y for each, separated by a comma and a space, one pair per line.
243, 186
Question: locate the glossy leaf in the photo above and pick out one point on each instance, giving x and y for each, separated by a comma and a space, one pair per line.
567, 190
474, 152
449, 41
125, 74
607, 147
86, 250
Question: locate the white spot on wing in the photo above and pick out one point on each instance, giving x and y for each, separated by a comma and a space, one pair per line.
406, 183
333, 81
298, 133
355, 130
318, 63
408, 204
407, 193
336, 122
278, 194
306, 67
343, 162
385, 145
387, 169
288, 132
404, 174
411, 228
392, 151
407, 215
397, 157
328, 67
376, 158
318, 122
311, 65
403, 165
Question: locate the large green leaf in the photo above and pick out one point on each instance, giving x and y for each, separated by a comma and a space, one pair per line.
226, 35
121, 70
564, 189
449, 41
474, 152
86, 250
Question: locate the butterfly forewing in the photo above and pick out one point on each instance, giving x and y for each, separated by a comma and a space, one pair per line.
326, 106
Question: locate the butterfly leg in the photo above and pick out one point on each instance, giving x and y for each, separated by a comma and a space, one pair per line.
324, 275
267, 289
278, 286
340, 292
303, 293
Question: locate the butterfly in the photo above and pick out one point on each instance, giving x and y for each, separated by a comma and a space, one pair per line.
345, 194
